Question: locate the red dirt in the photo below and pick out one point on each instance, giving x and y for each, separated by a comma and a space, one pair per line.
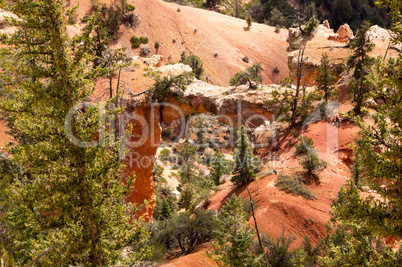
198, 258
279, 211
215, 33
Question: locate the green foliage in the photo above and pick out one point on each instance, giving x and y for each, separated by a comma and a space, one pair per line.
252, 73
311, 163
361, 62
342, 12
219, 167
310, 26
184, 231
194, 185
352, 238
275, 12
246, 163
234, 238
278, 252
249, 21
69, 206
135, 42
157, 45
305, 145
277, 18
325, 79
294, 185
143, 40
285, 98
195, 63
171, 86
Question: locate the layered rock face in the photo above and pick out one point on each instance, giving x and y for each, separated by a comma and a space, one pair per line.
234, 106
324, 40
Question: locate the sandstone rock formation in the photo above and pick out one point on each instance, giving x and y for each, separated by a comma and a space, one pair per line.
324, 40
343, 35
234, 106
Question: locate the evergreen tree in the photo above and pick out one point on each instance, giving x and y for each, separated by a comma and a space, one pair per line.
359, 226
352, 240
325, 79
342, 12
245, 162
361, 62
249, 21
234, 238
218, 167
69, 206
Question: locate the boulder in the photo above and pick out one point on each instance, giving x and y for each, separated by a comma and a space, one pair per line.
326, 24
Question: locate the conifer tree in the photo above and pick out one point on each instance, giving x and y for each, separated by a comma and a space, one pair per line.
325, 79
234, 238
245, 162
68, 208
361, 62
218, 167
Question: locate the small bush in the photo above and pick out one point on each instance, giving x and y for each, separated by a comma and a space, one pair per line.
245, 59
195, 63
178, 10
169, 86
312, 163
144, 40
157, 45
276, 70
304, 146
164, 155
293, 185
135, 42
130, 7
277, 29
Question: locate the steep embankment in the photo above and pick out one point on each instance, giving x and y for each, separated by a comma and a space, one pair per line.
205, 33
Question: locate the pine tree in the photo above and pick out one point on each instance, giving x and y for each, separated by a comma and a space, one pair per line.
234, 238
325, 79
245, 161
218, 167
361, 62
359, 226
69, 206
249, 21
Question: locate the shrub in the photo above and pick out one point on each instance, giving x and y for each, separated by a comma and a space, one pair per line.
312, 163
277, 29
164, 155
194, 62
278, 251
276, 70
252, 73
305, 145
157, 45
135, 42
130, 7
249, 21
293, 185
245, 59
185, 231
144, 40
169, 86
178, 10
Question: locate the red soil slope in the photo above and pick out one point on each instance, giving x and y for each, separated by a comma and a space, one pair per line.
205, 33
